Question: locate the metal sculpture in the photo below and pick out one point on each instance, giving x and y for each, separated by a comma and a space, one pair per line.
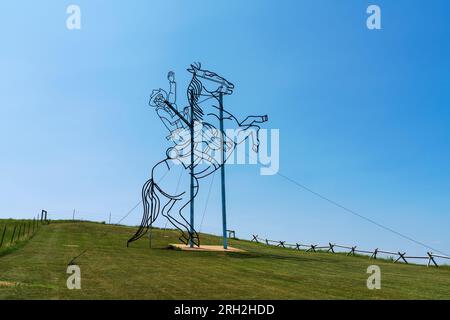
201, 147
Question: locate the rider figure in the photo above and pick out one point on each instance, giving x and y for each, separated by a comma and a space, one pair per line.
205, 136
167, 116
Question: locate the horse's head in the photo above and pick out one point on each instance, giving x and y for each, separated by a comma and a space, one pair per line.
215, 84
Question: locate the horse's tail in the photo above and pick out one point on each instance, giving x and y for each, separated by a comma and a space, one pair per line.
151, 210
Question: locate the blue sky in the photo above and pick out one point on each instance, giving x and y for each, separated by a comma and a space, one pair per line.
363, 115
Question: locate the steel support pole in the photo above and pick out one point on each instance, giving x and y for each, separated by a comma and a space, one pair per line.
222, 175
191, 243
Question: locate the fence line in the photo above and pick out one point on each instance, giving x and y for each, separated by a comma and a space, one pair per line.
21, 229
351, 250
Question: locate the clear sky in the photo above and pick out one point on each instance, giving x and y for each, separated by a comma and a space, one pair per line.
363, 114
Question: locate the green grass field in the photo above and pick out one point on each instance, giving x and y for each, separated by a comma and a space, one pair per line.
36, 269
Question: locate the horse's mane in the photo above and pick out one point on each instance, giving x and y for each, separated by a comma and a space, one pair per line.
193, 93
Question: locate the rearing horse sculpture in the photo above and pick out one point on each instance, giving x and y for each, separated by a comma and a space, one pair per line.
203, 93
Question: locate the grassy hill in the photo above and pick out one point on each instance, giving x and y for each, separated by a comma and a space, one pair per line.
109, 270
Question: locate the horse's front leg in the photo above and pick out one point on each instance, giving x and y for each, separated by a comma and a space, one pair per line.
249, 121
248, 127
251, 132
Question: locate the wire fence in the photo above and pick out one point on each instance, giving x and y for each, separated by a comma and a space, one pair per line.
398, 256
106, 217
14, 231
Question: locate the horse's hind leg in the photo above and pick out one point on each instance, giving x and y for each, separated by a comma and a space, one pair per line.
166, 213
250, 128
193, 235
179, 206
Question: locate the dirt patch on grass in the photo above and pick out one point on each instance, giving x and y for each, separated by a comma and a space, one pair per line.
8, 284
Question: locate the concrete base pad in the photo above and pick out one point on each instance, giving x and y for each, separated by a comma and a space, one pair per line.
204, 248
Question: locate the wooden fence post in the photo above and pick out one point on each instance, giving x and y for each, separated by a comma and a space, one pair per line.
401, 256
431, 259
331, 247
255, 238
14, 232
297, 246
267, 242
282, 244
20, 230
374, 254
352, 251
3, 236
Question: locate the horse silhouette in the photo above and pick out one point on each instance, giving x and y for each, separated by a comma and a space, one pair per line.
204, 92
